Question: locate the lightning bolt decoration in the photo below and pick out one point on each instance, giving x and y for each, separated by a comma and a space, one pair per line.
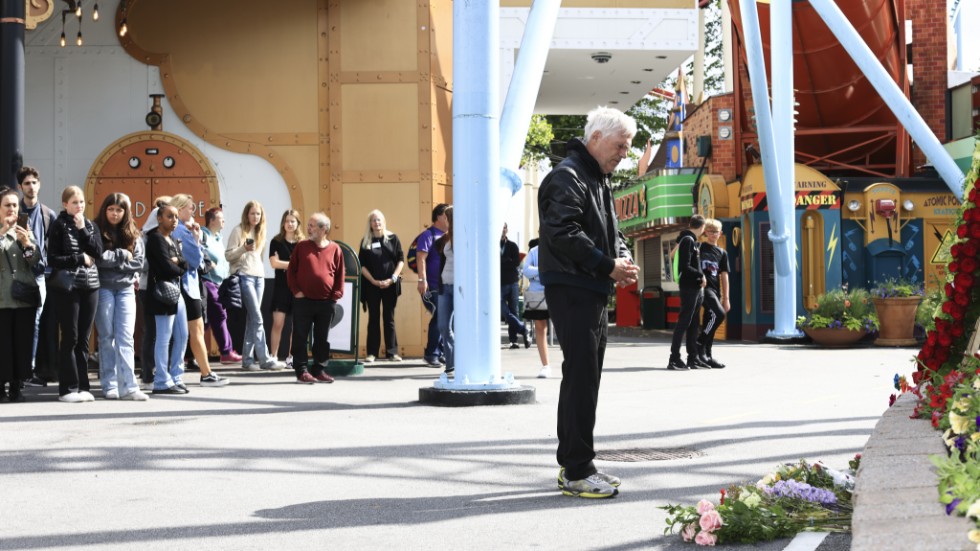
832, 243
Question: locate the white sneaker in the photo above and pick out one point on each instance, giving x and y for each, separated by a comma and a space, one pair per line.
369, 358
136, 396
72, 398
273, 365
545, 372
251, 367
112, 394
86, 396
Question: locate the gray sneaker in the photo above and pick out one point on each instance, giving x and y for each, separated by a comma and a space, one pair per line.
592, 487
613, 481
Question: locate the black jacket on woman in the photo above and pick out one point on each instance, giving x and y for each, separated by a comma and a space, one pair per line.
67, 246
159, 253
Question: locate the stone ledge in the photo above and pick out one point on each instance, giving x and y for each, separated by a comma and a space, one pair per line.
896, 506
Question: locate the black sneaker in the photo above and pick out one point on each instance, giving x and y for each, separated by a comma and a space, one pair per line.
527, 343
694, 362
715, 364
35, 381
676, 363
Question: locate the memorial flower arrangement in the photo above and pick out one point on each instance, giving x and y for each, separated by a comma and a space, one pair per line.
841, 308
947, 379
794, 498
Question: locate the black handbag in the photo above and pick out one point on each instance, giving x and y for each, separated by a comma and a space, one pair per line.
166, 292
62, 280
28, 293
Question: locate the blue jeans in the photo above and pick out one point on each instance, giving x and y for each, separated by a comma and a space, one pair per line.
433, 346
508, 309
115, 318
253, 346
444, 317
166, 376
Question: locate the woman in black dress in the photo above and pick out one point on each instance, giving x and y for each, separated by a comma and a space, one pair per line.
382, 261
280, 251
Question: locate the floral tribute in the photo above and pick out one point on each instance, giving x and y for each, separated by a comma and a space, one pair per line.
947, 379
794, 498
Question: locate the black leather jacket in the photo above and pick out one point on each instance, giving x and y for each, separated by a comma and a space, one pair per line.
580, 237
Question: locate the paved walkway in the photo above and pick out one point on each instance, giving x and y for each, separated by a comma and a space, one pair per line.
360, 464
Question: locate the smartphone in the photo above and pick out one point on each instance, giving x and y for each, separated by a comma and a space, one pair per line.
249, 241
22, 220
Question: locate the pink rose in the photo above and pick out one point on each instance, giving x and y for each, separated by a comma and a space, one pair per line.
704, 506
706, 538
710, 521
689, 531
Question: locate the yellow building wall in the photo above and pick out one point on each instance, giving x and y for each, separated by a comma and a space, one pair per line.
350, 100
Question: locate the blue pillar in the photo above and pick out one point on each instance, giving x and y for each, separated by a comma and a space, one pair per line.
476, 196
892, 95
523, 90
780, 202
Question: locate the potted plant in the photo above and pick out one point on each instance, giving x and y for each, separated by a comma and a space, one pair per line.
840, 318
896, 301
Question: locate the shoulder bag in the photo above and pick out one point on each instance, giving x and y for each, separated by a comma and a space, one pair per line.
166, 292
62, 280
28, 293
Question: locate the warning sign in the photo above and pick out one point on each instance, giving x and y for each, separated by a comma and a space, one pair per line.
942, 255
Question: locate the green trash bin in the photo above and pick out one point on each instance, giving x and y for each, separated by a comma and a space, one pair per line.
653, 308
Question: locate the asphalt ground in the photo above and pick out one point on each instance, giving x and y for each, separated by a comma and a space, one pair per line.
360, 464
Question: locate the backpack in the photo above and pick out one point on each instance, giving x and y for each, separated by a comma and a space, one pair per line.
411, 258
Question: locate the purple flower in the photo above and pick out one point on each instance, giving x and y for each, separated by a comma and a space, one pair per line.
801, 490
978, 422
952, 506
961, 442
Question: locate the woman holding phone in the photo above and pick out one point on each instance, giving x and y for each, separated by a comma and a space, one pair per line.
244, 253
16, 316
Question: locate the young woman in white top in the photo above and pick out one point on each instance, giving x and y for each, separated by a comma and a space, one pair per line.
244, 253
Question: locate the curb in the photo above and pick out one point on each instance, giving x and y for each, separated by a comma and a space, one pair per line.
896, 506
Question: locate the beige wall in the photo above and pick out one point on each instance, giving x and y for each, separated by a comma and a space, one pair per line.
349, 100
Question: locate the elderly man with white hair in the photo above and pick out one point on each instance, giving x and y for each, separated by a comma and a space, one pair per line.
315, 276
581, 255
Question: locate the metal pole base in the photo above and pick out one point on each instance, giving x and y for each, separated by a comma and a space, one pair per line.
795, 337
464, 398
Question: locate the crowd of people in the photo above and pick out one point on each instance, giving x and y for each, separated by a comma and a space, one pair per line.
93, 272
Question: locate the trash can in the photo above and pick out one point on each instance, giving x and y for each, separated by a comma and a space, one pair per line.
653, 308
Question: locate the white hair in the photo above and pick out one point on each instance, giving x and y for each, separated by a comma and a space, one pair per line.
607, 121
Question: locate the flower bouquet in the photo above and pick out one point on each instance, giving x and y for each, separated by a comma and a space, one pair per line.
794, 498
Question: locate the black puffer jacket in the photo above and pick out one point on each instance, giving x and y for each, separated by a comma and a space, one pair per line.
66, 245
580, 237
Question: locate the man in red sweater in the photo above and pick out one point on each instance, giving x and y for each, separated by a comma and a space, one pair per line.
316, 278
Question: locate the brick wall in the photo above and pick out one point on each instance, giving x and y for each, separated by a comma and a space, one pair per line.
929, 66
704, 122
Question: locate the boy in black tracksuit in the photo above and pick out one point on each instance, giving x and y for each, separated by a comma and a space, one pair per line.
714, 265
692, 284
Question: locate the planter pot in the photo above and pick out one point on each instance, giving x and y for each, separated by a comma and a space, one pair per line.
838, 337
897, 318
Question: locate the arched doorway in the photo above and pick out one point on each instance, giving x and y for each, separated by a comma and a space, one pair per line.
146, 165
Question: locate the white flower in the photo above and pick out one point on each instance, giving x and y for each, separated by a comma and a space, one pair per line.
974, 510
